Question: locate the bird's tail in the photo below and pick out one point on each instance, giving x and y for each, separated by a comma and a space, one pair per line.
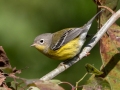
89, 23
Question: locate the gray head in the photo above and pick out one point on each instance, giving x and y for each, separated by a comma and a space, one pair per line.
42, 42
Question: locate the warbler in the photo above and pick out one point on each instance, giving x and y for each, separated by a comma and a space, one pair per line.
64, 44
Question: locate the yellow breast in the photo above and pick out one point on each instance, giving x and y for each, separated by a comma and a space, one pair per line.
67, 51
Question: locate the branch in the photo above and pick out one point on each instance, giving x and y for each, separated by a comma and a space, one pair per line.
86, 50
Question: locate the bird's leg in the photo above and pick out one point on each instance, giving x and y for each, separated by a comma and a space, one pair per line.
87, 54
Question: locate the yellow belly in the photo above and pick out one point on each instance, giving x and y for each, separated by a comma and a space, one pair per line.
67, 51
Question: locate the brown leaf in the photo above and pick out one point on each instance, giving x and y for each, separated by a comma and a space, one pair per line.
109, 49
114, 33
14, 70
6, 87
110, 55
4, 61
110, 52
47, 85
2, 78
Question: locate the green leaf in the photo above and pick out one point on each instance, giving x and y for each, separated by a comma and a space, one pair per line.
92, 70
33, 88
97, 83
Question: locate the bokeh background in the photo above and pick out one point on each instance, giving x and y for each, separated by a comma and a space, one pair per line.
22, 20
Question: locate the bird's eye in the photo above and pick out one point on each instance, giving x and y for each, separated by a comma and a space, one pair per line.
42, 41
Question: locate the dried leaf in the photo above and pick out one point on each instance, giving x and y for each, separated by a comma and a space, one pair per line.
46, 85
4, 61
6, 87
97, 84
110, 52
2, 78
109, 49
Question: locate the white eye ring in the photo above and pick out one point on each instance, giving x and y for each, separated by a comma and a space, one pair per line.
41, 41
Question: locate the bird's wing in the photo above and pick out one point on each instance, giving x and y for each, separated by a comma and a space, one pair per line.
60, 38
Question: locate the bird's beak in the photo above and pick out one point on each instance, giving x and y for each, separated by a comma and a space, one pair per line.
33, 45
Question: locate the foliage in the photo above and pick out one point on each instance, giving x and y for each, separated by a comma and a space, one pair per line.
21, 21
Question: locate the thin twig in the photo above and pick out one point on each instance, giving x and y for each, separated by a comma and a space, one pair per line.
80, 80
86, 50
109, 9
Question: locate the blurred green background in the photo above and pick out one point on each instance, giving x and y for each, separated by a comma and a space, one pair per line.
22, 20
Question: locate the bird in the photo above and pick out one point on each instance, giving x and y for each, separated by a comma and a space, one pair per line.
64, 44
